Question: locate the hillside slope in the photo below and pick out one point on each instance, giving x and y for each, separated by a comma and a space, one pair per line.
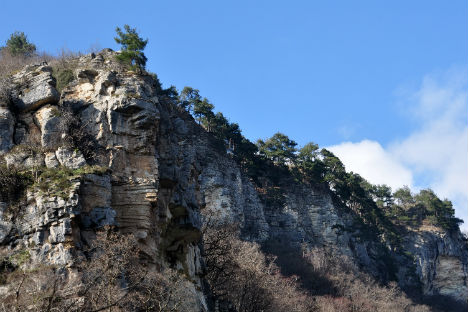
111, 150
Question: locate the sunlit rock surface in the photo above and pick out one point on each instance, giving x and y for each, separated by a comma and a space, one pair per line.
161, 173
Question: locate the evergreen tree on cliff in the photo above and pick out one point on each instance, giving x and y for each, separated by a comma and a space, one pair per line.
18, 45
132, 48
279, 148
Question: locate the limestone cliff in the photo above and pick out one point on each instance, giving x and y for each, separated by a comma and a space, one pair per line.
148, 168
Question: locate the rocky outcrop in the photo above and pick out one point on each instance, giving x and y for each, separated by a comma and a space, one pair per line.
228, 193
153, 171
441, 260
33, 87
7, 123
121, 113
48, 119
67, 158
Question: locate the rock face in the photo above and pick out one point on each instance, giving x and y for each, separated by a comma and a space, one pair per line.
450, 277
441, 261
48, 120
7, 123
34, 88
162, 172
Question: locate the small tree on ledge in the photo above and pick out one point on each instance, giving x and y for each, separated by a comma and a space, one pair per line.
18, 44
132, 48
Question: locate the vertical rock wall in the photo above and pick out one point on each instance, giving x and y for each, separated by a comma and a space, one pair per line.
162, 172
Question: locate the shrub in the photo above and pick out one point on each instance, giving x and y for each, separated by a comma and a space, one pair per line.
63, 77
112, 278
63, 67
76, 135
21, 257
354, 290
242, 277
13, 184
58, 181
9, 63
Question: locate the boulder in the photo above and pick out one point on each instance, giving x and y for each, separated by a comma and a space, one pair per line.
70, 159
34, 87
59, 232
51, 160
48, 119
25, 157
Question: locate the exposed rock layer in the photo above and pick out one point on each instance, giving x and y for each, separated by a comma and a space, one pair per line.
163, 171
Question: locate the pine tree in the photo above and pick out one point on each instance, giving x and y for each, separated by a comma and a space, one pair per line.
279, 148
18, 44
189, 97
132, 48
203, 110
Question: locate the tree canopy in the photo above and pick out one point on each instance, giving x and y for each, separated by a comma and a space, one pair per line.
376, 204
403, 196
203, 111
132, 47
188, 98
18, 44
279, 148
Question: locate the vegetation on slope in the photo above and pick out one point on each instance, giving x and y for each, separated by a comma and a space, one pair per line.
243, 278
113, 279
253, 285
278, 158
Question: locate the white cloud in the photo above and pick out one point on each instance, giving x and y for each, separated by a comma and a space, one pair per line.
370, 160
435, 155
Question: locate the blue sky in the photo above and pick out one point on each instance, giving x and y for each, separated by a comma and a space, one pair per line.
350, 74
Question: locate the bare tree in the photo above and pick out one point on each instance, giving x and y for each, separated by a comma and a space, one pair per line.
355, 291
75, 133
113, 278
242, 278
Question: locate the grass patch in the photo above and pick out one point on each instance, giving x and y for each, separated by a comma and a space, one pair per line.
19, 258
58, 181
